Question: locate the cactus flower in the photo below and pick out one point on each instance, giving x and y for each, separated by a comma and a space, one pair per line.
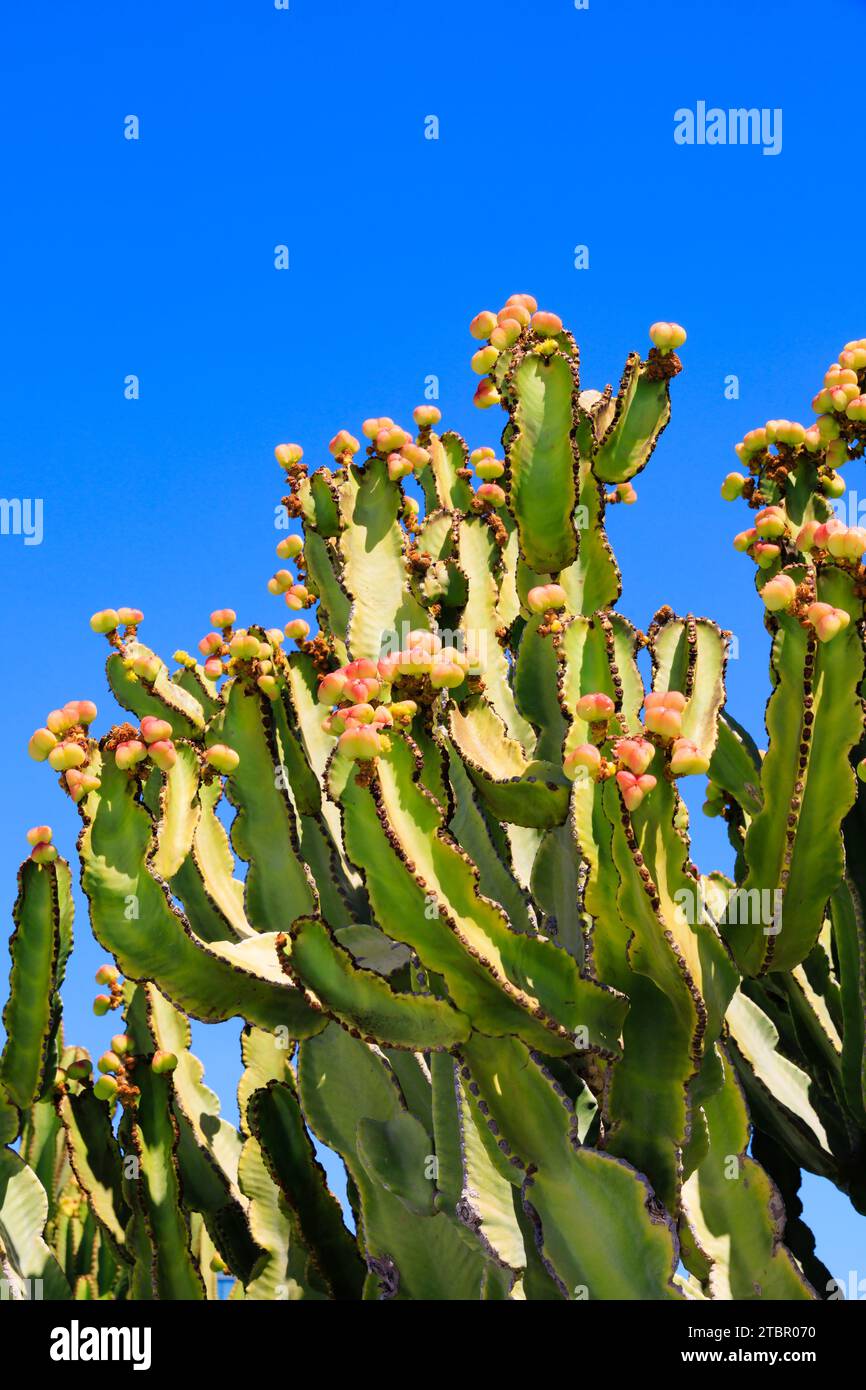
154, 730
426, 416
109, 1062
484, 359
360, 742
486, 394
634, 754
594, 708
505, 335
633, 788
130, 753
584, 760
687, 759
664, 712
163, 754
546, 325
104, 621
43, 853
779, 592
101, 1005
105, 1088
40, 835
221, 758
40, 745
546, 596
213, 668
290, 547
827, 620
492, 494
344, 443
288, 455
331, 688
666, 336
483, 324
66, 755
223, 617
163, 1062
770, 522
147, 668
297, 630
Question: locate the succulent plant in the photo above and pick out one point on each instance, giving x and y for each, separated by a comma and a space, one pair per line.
456, 914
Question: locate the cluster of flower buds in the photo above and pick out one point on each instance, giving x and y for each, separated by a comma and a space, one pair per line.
633, 757
63, 742
228, 648
827, 621
289, 456
40, 838
841, 541
154, 742
108, 620
361, 730
667, 336
519, 320
548, 599
663, 713
108, 975
780, 595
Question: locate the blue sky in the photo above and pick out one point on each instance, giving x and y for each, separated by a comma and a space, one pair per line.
306, 127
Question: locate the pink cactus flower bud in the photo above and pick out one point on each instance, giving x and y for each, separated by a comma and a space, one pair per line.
269, 686
297, 630
634, 789
837, 455
153, 730
827, 620
823, 532
163, 754
221, 758
426, 640
363, 668
483, 324
211, 643
297, 598
854, 543
764, 552
853, 357
791, 433
663, 713
484, 359
806, 536
812, 439
634, 754
398, 467
478, 455
60, 721
546, 325
687, 760
163, 1063
827, 428
107, 974
426, 416
287, 455
213, 668
403, 712
745, 540
516, 311
492, 494
280, 582
594, 708
584, 760
732, 487
505, 335
101, 1005
331, 687
856, 408
244, 646
525, 299
360, 742
147, 668
65, 756
290, 547
417, 456
40, 835
43, 853
665, 336
41, 744
109, 1062
417, 661
362, 713
78, 784
344, 443
360, 691
82, 712
383, 717
486, 394
446, 675
370, 428
626, 493
389, 667
391, 439
128, 754
770, 522
120, 1044
489, 469
104, 621
130, 617
223, 617
779, 593
106, 1087
756, 440
546, 596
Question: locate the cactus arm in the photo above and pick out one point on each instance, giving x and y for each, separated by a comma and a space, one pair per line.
689, 655
486, 1198
642, 410
161, 698
133, 918
193, 680
96, 1159
373, 566
787, 1177
541, 467
324, 580
439, 478
547, 978
482, 562
849, 935
38, 946
277, 1123
278, 887
513, 788
736, 765
212, 898
593, 581
284, 1272
362, 1000
536, 681
804, 862
556, 890
591, 1211
154, 1138
342, 1083
470, 830
209, 1147
24, 1255
735, 1214
175, 805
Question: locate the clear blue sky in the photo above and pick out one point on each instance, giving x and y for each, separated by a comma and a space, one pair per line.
261, 126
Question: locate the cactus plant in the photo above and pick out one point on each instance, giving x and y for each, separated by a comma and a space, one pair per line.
455, 912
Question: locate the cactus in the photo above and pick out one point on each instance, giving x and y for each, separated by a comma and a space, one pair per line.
455, 910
